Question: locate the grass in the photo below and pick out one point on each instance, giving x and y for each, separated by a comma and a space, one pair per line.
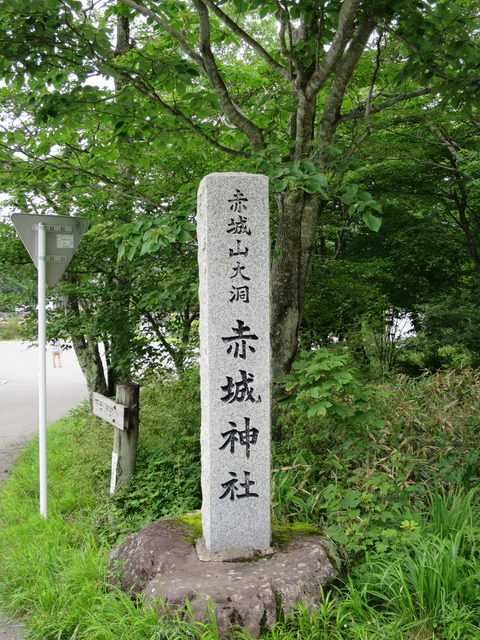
423, 585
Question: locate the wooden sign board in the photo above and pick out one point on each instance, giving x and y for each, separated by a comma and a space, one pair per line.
110, 411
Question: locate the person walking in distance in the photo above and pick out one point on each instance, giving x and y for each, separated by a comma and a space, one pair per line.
57, 352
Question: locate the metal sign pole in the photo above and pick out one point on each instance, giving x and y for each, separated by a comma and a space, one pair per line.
42, 366
51, 241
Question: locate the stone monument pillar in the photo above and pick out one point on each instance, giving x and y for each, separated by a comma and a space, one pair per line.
233, 250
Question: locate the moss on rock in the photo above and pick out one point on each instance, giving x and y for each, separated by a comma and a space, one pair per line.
194, 523
283, 532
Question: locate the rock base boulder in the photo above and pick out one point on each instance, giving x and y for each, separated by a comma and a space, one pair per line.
161, 562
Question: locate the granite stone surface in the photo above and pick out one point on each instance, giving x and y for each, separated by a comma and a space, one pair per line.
233, 240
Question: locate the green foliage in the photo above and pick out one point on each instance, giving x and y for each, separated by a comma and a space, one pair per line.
362, 479
167, 479
434, 580
426, 587
358, 510
448, 337
292, 176
130, 152
396, 499
10, 328
150, 236
141, 311
322, 382
304, 175
358, 202
425, 255
55, 571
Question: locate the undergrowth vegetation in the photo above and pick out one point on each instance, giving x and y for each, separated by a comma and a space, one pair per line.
364, 464
389, 472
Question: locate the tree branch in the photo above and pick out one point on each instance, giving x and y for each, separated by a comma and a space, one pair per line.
438, 165
368, 103
444, 141
418, 51
359, 112
345, 68
148, 90
176, 35
234, 114
283, 29
368, 128
345, 28
59, 164
207, 64
256, 46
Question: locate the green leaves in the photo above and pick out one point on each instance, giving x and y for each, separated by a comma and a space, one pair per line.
358, 202
322, 383
150, 236
304, 175
372, 221
45, 43
294, 176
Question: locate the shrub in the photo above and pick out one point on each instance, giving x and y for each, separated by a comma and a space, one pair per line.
432, 582
361, 478
10, 329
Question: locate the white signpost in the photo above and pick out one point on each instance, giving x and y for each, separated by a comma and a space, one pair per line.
51, 242
123, 414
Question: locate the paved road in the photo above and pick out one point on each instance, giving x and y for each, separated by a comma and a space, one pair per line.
66, 387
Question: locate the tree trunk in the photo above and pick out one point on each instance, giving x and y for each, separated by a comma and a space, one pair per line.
86, 347
290, 267
89, 359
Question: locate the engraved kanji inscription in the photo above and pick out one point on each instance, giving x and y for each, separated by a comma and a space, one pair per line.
240, 391
238, 342
238, 202
238, 226
240, 294
238, 272
238, 251
245, 438
232, 489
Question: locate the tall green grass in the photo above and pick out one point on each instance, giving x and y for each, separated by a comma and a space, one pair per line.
54, 571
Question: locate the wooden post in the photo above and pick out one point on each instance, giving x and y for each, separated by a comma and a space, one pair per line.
125, 441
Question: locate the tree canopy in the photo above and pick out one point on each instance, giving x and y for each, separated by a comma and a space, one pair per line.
117, 109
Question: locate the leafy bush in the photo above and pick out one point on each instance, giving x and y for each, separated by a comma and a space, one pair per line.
399, 496
361, 478
447, 337
432, 582
323, 382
